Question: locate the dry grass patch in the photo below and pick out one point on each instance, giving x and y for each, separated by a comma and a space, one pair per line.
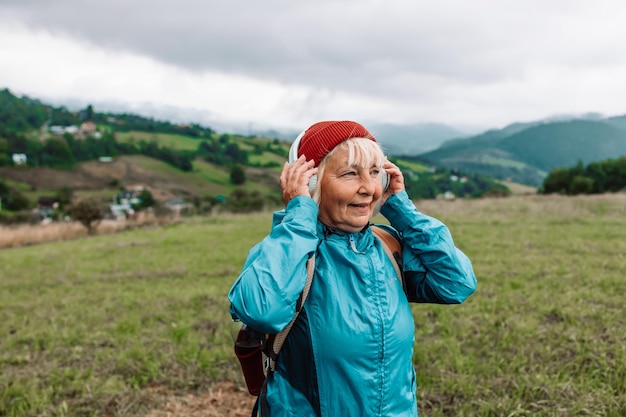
24, 235
226, 399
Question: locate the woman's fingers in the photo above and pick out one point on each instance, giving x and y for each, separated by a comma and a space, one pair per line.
396, 180
294, 178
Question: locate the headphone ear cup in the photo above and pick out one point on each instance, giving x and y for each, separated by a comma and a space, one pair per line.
312, 183
385, 178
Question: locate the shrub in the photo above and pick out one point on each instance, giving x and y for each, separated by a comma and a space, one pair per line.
237, 175
241, 201
88, 212
12, 199
580, 185
20, 217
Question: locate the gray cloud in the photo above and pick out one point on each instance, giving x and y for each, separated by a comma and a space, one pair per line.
386, 49
347, 45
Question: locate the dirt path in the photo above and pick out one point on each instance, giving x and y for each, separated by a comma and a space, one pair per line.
225, 400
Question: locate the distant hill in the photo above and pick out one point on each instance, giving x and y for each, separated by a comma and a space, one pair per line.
396, 139
94, 152
412, 139
527, 152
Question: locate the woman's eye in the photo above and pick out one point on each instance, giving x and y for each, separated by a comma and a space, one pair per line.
375, 172
349, 173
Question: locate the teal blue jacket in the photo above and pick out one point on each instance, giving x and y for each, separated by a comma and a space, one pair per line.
350, 351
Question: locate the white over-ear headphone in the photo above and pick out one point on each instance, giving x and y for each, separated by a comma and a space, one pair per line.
293, 157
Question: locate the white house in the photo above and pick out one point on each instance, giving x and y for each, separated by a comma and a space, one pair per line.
19, 158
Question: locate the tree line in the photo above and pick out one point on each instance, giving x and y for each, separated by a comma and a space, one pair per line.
595, 178
23, 119
453, 183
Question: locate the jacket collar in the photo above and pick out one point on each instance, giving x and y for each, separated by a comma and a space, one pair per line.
358, 241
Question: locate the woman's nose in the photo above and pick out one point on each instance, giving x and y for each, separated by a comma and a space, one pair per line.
368, 184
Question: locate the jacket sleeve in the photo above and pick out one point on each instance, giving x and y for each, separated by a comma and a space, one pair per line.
265, 294
435, 270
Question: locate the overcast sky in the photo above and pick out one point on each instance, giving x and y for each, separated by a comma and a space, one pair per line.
286, 63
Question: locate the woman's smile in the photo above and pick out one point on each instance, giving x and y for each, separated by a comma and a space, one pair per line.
361, 208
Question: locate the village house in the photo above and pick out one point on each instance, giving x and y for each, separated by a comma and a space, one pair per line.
127, 197
88, 129
61, 130
121, 211
46, 206
19, 158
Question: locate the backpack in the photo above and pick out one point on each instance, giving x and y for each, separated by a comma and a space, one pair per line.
255, 349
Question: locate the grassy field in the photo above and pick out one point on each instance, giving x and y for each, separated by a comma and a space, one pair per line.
167, 140
413, 166
92, 327
265, 158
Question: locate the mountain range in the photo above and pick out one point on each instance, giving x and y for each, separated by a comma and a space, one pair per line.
527, 152
521, 152
396, 139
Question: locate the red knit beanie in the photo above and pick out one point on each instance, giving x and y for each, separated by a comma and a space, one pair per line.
322, 137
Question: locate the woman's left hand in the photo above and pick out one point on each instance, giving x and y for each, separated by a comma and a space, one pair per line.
396, 181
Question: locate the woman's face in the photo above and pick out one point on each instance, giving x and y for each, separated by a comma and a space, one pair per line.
348, 194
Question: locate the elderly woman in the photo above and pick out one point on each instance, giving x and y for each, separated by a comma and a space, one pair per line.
350, 350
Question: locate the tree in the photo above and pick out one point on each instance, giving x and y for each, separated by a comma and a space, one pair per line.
89, 113
56, 152
558, 181
581, 185
234, 154
12, 199
146, 198
88, 212
65, 196
237, 175
4, 152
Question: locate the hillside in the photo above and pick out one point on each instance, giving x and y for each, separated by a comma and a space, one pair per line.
104, 178
97, 154
526, 153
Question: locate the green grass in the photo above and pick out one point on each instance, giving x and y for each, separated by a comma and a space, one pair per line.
266, 157
87, 326
502, 161
205, 179
22, 187
85, 322
166, 140
544, 334
413, 166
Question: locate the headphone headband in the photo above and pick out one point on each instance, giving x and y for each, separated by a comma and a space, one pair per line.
293, 151
293, 157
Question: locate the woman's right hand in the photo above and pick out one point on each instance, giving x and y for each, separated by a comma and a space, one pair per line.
294, 178
396, 181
